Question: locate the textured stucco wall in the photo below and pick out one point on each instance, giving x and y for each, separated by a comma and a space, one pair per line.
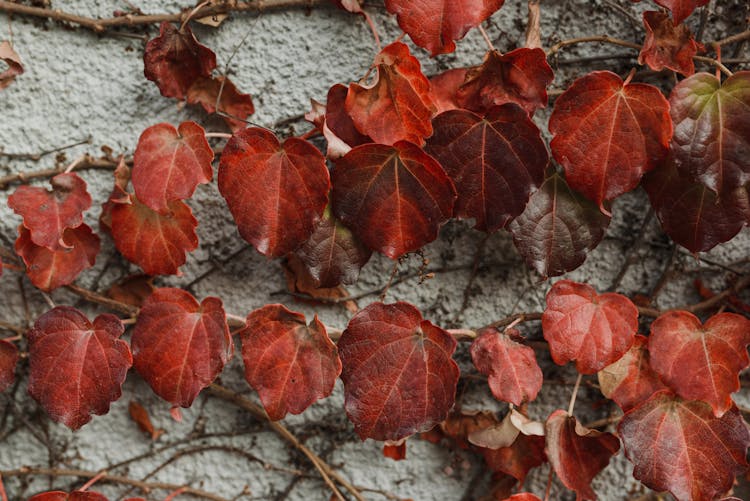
78, 84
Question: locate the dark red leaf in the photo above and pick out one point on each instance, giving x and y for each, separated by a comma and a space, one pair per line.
276, 192
435, 24
712, 129
396, 452
444, 88
514, 375
521, 76
289, 363
233, 104
299, 282
170, 163
139, 414
397, 106
332, 254
557, 229
175, 60
576, 453
76, 369
64, 496
525, 454
48, 213
132, 290
593, 329
667, 45
690, 213
399, 377
180, 345
394, 198
608, 133
701, 362
13, 60
8, 360
681, 9
158, 243
49, 269
681, 447
495, 162
338, 127
631, 380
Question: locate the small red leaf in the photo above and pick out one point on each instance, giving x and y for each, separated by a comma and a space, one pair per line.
396, 452
289, 363
132, 290
175, 60
593, 329
681, 447
394, 198
276, 192
631, 380
576, 453
139, 414
444, 87
170, 163
49, 269
180, 345
681, 9
76, 368
609, 133
435, 24
495, 162
525, 454
521, 76
233, 104
399, 377
338, 127
13, 60
523, 496
397, 106
667, 45
48, 213
514, 375
8, 360
64, 496
701, 362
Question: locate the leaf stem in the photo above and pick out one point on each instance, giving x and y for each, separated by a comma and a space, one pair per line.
572, 404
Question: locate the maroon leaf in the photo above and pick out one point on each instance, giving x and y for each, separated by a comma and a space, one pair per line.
394, 198
525, 454
576, 453
233, 104
338, 127
180, 345
13, 60
701, 362
64, 496
557, 229
667, 45
175, 60
170, 163
399, 377
396, 452
681, 447
48, 213
276, 192
495, 162
608, 133
75, 368
289, 363
8, 359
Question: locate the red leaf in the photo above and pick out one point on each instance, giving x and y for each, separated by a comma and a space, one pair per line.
49, 269
593, 329
233, 104
681, 447
681, 9
158, 243
523, 496
132, 290
690, 213
576, 453
631, 380
48, 213
289, 363
299, 281
333, 255
394, 198
180, 345
276, 192
521, 76
399, 377
435, 24
557, 229
64, 496
712, 129
338, 127
170, 163
495, 162
175, 60
396, 452
667, 45
514, 375
139, 414
76, 368
609, 133
397, 106
8, 359
444, 87
13, 60
525, 454
701, 362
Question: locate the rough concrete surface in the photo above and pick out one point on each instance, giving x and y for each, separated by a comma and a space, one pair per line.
79, 84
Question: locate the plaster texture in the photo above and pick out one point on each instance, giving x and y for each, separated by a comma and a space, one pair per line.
78, 84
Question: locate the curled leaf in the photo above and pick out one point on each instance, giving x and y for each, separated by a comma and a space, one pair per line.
234, 105
668, 45
13, 60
